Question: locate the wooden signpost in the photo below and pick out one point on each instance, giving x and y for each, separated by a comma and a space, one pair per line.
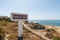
20, 17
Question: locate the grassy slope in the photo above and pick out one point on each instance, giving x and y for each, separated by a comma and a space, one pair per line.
30, 36
11, 28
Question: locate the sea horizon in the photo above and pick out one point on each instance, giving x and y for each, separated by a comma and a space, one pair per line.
47, 22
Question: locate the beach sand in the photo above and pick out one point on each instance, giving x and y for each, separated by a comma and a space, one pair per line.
57, 28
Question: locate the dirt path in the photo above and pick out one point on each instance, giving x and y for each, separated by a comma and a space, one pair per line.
35, 32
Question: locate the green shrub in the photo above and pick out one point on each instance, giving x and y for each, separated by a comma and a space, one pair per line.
49, 35
37, 26
56, 38
2, 34
4, 23
27, 30
50, 30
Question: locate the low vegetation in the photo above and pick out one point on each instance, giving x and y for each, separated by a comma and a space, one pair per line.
26, 30
2, 33
49, 35
7, 27
11, 28
50, 30
27, 35
56, 38
37, 26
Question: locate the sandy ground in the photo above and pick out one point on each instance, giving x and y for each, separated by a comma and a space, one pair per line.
57, 28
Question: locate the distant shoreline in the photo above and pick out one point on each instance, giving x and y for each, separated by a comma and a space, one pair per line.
47, 22
51, 25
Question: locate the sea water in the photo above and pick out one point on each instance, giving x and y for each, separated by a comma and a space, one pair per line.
47, 22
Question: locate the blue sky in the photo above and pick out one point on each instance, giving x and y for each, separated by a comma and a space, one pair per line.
36, 9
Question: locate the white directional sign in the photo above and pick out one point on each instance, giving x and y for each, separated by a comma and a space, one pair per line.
16, 16
20, 17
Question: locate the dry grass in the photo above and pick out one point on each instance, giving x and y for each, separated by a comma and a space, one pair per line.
11, 28
27, 35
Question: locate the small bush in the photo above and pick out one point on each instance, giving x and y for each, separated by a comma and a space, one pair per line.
56, 38
50, 30
49, 35
4, 23
26, 22
37, 26
27, 30
2, 34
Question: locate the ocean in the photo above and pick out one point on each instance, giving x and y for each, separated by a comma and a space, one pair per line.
47, 22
